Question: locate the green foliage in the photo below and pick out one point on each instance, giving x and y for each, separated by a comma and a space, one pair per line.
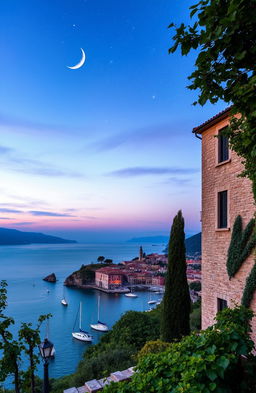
195, 316
116, 349
153, 347
87, 272
101, 259
176, 301
241, 245
224, 34
108, 261
131, 331
209, 362
195, 286
11, 350
250, 288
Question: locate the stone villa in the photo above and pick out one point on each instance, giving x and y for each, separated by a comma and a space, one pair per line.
224, 197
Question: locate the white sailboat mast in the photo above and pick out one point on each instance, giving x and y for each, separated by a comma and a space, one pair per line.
80, 318
98, 308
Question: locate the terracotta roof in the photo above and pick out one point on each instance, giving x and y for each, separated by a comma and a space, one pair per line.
213, 120
110, 270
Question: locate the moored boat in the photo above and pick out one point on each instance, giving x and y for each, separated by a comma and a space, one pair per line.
100, 326
130, 294
81, 335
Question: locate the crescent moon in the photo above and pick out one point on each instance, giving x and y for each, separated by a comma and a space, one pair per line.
81, 62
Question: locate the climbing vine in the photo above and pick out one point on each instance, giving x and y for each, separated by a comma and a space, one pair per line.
250, 287
241, 246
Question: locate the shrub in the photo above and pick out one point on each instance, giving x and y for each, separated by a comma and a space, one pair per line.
153, 347
195, 286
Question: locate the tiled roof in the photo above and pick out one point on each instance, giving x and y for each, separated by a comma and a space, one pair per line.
213, 120
109, 270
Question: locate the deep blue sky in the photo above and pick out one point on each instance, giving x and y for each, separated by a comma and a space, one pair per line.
106, 149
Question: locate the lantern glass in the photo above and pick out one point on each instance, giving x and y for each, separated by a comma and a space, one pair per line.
46, 349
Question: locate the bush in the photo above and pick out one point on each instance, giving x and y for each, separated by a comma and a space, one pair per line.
195, 286
153, 347
209, 362
195, 316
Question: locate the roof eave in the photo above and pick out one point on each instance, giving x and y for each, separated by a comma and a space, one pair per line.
211, 122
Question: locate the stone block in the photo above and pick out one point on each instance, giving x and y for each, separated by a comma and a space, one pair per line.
70, 390
127, 373
119, 376
82, 389
105, 381
93, 386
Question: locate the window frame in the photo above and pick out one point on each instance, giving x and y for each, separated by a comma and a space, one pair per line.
223, 155
220, 217
222, 304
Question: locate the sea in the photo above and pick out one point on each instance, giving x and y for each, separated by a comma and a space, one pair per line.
24, 268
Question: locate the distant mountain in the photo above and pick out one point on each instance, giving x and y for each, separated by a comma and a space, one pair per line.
149, 239
194, 244
13, 237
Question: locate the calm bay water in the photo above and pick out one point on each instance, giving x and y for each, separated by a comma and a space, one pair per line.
24, 267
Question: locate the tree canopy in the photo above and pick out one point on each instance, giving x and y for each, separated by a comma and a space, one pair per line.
225, 35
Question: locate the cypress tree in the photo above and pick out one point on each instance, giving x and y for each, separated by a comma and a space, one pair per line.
176, 302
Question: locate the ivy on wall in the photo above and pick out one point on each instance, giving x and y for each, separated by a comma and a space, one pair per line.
241, 246
250, 287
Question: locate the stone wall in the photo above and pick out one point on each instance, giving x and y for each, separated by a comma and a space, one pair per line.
215, 242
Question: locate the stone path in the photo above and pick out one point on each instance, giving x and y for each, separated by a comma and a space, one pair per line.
96, 385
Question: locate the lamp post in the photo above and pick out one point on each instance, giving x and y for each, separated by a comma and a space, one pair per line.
46, 351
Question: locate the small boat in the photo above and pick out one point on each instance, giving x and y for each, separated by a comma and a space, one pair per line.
64, 302
130, 294
151, 301
100, 326
81, 335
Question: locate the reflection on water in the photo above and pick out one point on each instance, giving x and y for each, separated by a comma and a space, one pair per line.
29, 296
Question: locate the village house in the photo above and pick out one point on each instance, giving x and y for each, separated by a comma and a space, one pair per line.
109, 277
225, 195
158, 280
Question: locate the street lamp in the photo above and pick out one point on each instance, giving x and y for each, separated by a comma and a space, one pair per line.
46, 351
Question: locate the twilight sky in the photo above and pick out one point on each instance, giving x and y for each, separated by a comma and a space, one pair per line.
104, 152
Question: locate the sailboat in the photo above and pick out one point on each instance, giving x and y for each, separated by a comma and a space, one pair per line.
63, 300
100, 326
151, 301
81, 335
130, 294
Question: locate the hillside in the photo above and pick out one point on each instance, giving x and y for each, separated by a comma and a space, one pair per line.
193, 244
12, 237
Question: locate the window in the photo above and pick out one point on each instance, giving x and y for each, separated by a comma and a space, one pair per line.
223, 209
223, 147
221, 304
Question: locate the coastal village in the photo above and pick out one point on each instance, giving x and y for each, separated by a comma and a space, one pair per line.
145, 272
102, 149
